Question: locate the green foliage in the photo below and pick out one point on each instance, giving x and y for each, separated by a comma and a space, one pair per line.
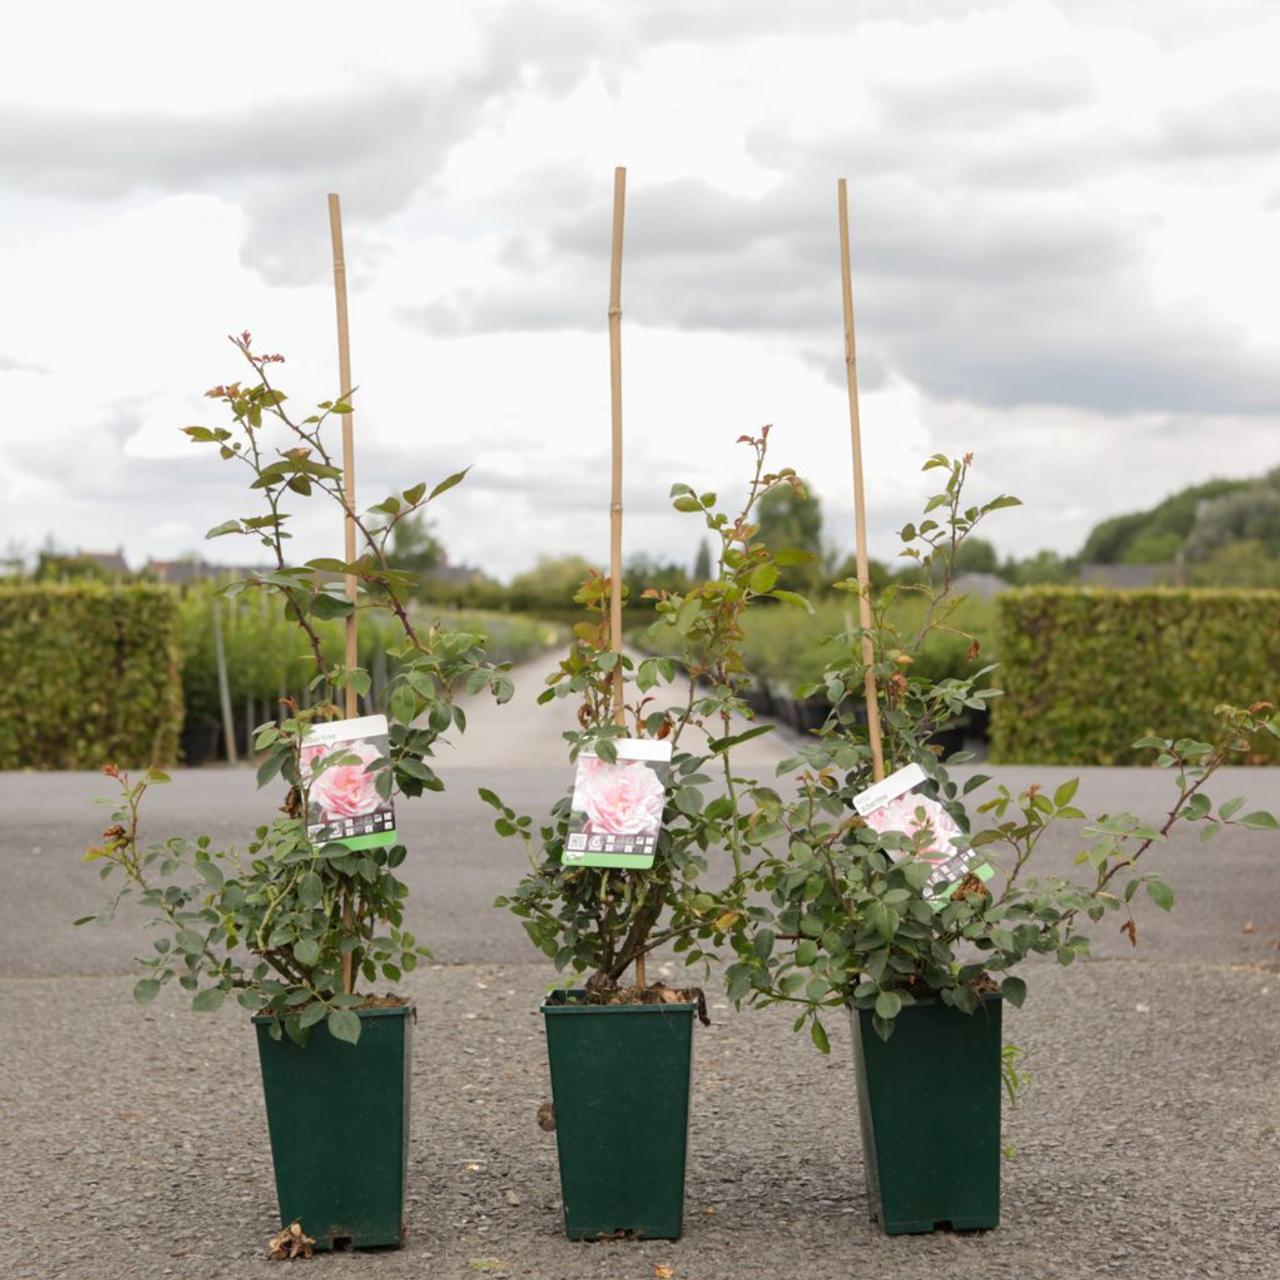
1246, 562
290, 926
1250, 513
1087, 672
92, 677
977, 555
846, 914
550, 585
274, 926
1045, 568
603, 920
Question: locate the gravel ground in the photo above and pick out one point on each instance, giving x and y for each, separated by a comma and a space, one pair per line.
134, 1141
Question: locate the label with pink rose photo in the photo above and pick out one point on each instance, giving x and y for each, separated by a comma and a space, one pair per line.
349, 800
891, 806
617, 806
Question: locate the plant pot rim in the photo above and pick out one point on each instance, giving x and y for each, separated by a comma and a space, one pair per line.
548, 1007
380, 1011
928, 1002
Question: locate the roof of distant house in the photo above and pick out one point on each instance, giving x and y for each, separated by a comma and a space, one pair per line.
982, 585
181, 573
446, 572
111, 561
1126, 576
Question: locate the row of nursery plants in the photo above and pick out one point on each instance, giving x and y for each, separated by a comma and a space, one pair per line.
788, 650
267, 657
915, 918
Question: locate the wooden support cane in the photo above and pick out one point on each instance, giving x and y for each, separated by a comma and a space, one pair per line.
348, 435
348, 493
859, 499
615, 501
615, 404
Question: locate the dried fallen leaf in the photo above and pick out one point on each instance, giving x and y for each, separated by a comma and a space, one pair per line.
662, 1273
547, 1117
289, 1244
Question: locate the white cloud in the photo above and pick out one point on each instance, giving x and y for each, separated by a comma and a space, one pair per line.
1065, 217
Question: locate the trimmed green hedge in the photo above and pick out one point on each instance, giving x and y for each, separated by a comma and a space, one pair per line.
1088, 672
91, 677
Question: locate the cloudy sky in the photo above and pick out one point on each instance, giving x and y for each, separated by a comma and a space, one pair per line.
1065, 219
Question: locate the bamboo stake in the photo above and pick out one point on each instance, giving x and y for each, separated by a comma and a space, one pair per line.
615, 503
615, 402
348, 436
859, 499
349, 498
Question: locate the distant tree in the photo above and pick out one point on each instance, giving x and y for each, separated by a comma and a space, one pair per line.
1247, 562
1127, 539
643, 573
792, 520
977, 555
702, 562
1151, 546
1045, 568
1249, 514
878, 572
550, 584
59, 566
415, 547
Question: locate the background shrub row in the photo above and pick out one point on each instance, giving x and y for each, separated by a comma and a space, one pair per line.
98, 674
1086, 673
90, 677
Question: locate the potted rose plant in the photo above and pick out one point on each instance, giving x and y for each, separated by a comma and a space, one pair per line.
299, 926
620, 1048
915, 920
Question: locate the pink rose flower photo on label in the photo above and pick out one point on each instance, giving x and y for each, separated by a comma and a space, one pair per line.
911, 814
346, 790
622, 799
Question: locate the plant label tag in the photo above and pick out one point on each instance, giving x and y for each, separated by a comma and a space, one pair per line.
616, 814
889, 806
887, 789
346, 768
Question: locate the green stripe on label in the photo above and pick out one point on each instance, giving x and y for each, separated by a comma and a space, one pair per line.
371, 841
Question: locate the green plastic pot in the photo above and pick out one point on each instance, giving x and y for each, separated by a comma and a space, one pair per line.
929, 1103
620, 1078
338, 1115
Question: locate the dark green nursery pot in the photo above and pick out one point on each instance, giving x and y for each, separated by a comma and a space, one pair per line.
338, 1115
929, 1105
620, 1079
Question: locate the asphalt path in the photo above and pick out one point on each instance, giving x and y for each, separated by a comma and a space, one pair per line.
132, 1142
